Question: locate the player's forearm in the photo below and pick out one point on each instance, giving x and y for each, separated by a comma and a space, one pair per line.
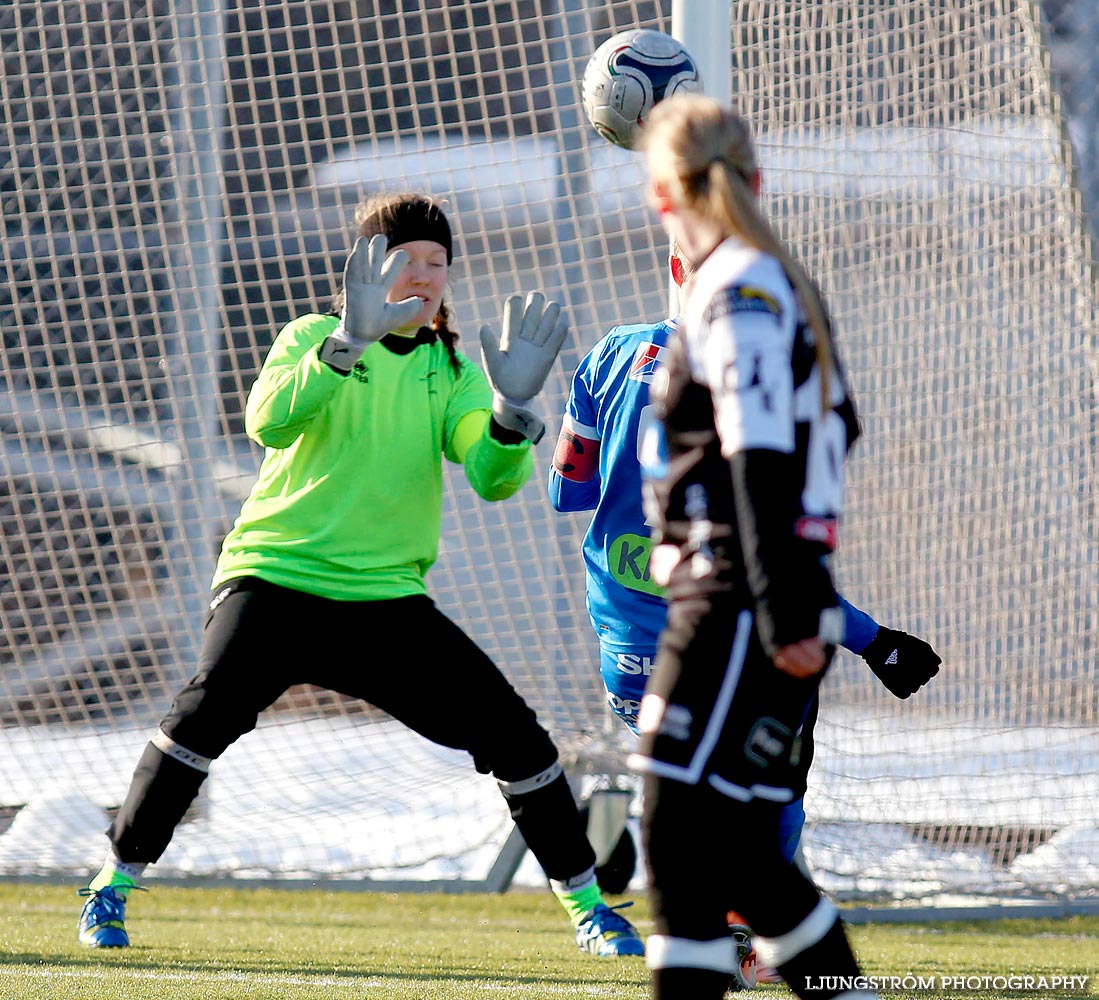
495, 469
286, 398
566, 496
858, 627
788, 580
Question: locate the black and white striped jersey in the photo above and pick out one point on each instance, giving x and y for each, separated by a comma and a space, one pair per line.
746, 475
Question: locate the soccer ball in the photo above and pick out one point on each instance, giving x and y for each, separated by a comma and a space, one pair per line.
627, 75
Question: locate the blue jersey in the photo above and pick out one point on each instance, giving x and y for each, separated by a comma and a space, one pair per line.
609, 403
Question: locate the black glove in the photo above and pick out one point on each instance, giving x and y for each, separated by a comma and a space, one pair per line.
903, 663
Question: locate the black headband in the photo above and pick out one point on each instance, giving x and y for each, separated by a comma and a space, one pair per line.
409, 219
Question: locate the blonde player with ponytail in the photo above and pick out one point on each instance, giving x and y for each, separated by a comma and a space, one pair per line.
744, 487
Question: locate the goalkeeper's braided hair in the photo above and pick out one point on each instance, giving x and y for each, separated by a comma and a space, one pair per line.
702, 152
401, 218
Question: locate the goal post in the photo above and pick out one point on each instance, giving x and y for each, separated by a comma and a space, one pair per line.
179, 181
701, 26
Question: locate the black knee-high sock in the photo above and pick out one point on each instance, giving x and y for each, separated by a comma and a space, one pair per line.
553, 828
160, 793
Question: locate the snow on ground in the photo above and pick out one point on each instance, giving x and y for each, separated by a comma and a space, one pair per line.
352, 799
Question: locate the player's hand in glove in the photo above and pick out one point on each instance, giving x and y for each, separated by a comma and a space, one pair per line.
368, 277
902, 662
518, 362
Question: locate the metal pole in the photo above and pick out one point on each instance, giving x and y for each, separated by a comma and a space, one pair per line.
198, 123
573, 208
705, 29
1088, 89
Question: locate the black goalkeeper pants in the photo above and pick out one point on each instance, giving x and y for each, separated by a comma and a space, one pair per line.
403, 656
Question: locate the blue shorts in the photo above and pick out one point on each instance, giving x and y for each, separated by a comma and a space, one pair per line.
625, 669
790, 825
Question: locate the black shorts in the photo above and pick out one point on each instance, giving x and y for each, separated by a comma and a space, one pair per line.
717, 710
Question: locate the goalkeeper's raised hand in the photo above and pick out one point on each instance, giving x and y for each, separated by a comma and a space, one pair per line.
518, 362
368, 277
902, 662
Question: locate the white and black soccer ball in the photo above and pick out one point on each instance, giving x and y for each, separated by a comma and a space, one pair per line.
627, 75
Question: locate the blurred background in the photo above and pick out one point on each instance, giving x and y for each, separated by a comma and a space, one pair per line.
178, 180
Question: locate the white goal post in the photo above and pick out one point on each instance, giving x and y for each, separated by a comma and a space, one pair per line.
178, 181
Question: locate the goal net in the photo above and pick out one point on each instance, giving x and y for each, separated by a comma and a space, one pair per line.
178, 181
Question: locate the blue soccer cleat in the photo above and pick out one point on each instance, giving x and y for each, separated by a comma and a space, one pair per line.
607, 933
103, 919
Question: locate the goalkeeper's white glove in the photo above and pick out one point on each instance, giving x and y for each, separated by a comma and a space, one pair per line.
518, 362
368, 277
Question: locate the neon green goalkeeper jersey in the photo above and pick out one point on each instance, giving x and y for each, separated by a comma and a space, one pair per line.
348, 502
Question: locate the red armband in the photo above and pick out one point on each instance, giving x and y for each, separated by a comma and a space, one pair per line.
576, 458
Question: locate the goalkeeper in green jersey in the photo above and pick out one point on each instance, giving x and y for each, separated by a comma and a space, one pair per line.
356, 410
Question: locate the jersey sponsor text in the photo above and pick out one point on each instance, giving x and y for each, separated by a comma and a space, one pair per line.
631, 663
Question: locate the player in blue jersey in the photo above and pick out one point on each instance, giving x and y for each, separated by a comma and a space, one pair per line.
596, 467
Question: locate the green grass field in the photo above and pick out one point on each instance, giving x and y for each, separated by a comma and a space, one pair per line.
224, 944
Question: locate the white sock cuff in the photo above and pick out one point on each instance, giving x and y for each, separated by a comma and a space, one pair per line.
584, 880
779, 950
526, 785
170, 748
665, 952
131, 869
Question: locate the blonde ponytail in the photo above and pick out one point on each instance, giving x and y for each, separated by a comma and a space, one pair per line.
702, 153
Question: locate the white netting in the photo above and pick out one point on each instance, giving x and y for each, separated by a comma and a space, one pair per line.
177, 181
